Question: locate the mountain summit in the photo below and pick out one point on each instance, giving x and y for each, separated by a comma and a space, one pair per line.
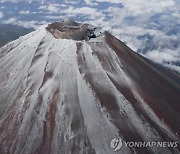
66, 88
69, 29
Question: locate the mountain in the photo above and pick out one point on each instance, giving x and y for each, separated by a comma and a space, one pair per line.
9, 33
68, 88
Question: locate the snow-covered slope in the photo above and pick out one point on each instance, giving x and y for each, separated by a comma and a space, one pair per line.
63, 96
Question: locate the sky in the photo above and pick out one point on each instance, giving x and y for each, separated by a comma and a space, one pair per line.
151, 27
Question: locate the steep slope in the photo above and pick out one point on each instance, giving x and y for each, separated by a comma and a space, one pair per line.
68, 96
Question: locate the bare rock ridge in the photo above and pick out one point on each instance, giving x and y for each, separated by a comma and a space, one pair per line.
64, 90
69, 29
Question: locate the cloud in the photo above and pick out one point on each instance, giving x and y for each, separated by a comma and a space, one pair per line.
1, 15
163, 55
13, 1
90, 3
51, 8
10, 21
166, 57
91, 13
72, 2
173, 67
141, 7
109, 1
51, 17
71, 11
43, 7
30, 24
25, 12
176, 14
